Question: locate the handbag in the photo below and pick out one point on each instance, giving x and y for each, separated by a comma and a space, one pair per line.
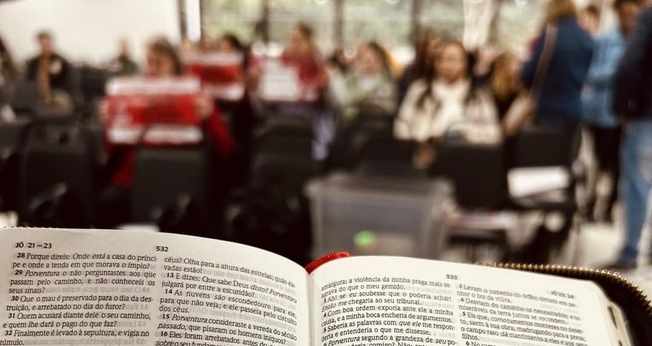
523, 108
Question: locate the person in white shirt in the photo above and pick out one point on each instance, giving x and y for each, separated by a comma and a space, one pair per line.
448, 101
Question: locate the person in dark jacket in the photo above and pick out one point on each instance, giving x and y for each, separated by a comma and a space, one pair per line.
52, 72
560, 101
633, 103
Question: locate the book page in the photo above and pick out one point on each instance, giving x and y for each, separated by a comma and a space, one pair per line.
145, 288
385, 301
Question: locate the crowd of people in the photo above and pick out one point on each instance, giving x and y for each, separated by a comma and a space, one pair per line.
574, 76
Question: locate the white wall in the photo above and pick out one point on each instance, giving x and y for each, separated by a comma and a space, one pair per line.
86, 30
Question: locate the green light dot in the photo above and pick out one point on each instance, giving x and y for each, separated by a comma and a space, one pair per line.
364, 238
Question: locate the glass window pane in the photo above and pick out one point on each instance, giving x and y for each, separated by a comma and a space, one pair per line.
518, 22
385, 21
238, 17
318, 14
446, 17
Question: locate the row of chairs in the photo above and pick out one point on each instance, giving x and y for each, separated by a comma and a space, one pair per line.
52, 173
478, 171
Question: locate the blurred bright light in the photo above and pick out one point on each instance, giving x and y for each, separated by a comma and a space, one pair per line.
193, 20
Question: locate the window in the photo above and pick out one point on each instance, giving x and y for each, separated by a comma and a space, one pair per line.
389, 22
318, 14
446, 17
386, 21
518, 22
239, 17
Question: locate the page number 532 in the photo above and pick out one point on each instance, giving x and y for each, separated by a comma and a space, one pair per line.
161, 249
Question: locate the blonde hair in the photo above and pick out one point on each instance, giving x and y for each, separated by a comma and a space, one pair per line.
502, 83
560, 9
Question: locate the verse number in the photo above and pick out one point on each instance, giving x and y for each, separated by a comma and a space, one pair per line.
162, 249
20, 245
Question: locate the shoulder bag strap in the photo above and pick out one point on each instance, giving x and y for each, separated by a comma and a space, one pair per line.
549, 43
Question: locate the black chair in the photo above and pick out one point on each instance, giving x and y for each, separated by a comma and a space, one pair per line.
478, 174
477, 171
286, 125
171, 188
545, 146
12, 138
92, 81
26, 97
352, 136
272, 212
56, 170
283, 153
378, 155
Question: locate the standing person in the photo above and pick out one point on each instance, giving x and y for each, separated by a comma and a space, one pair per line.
53, 73
597, 97
560, 101
114, 201
589, 19
123, 64
633, 102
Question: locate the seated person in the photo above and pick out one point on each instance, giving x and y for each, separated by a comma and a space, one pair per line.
53, 74
114, 201
370, 85
446, 101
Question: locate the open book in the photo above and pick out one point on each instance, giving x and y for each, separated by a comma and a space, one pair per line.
139, 288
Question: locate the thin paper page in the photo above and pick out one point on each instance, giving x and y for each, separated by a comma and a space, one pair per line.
398, 301
137, 288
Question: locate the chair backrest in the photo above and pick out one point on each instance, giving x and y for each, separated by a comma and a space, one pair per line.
92, 81
26, 97
12, 133
283, 153
288, 171
540, 146
57, 154
12, 139
386, 156
287, 125
477, 171
283, 145
165, 176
